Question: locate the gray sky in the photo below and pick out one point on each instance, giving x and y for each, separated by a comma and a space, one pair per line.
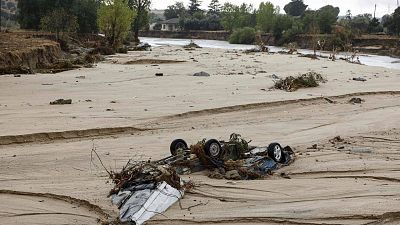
356, 6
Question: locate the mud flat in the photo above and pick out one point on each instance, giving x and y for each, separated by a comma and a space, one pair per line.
126, 111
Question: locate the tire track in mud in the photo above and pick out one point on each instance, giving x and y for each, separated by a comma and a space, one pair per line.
155, 123
74, 201
251, 106
66, 135
377, 219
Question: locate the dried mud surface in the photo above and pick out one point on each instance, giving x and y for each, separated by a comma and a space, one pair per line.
48, 176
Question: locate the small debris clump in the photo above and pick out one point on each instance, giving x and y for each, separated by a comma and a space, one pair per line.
61, 102
191, 45
307, 80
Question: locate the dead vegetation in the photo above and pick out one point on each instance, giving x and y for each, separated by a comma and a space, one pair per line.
307, 80
136, 173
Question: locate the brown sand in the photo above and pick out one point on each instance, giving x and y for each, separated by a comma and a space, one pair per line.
46, 149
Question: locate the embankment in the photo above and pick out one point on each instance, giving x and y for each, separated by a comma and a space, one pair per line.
24, 53
209, 35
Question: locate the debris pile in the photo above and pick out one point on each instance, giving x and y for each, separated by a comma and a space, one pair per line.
140, 47
307, 80
191, 45
143, 189
356, 100
61, 102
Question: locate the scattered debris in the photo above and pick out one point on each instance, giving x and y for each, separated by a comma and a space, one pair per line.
336, 140
216, 174
274, 76
201, 74
191, 45
17, 75
359, 79
140, 47
233, 175
61, 102
311, 56
286, 176
314, 146
330, 100
307, 80
292, 48
356, 100
153, 61
80, 77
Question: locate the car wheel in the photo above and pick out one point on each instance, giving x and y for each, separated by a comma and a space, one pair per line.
213, 149
275, 152
176, 145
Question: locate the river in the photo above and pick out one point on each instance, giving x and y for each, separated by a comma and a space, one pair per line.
369, 60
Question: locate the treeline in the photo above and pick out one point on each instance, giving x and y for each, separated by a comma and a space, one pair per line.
114, 18
245, 20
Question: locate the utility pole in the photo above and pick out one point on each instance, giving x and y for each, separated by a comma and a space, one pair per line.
375, 10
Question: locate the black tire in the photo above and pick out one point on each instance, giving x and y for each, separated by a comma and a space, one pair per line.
275, 152
177, 144
213, 149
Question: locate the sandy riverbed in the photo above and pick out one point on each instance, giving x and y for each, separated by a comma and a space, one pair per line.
126, 111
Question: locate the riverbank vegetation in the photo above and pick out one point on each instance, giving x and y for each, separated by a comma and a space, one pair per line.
285, 25
113, 18
242, 21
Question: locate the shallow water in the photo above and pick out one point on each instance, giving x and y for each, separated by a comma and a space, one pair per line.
369, 60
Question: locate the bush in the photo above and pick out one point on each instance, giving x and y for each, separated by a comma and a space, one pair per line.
246, 35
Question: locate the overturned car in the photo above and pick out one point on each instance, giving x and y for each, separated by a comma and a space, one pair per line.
233, 154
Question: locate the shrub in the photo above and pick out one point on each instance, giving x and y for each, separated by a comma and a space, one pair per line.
246, 35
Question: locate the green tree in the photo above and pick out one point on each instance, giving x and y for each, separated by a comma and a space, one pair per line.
233, 16
394, 23
326, 17
115, 19
266, 16
31, 12
360, 23
214, 8
59, 21
246, 35
295, 8
141, 7
177, 10
194, 6
282, 24
86, 13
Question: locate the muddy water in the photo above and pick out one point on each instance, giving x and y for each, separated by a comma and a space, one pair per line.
369, 60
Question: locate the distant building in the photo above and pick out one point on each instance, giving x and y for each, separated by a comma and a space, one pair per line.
170, 25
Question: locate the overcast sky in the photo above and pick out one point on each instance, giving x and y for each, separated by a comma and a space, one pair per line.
356, 6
